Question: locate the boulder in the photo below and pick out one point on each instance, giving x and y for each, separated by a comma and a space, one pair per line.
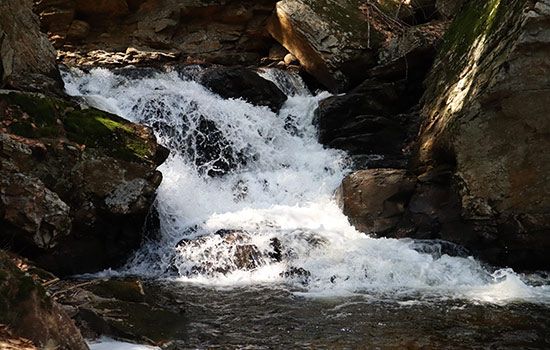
330, 38
27, 59
375, 200
240, 82
486, 116
31, 314
77, 183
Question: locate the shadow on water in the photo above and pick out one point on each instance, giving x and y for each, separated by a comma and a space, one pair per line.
268, 318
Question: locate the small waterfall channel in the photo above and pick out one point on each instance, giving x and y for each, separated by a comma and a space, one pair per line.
253, 226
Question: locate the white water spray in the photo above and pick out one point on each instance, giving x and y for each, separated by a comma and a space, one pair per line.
271, 217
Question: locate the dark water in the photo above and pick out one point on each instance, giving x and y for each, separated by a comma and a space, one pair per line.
270, 318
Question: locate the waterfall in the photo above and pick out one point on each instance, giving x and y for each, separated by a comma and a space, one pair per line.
260, 208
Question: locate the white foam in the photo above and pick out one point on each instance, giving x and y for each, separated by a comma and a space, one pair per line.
284, 191
110, 344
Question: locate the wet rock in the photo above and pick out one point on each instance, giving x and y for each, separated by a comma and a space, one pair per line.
368, 121
239, 82
375, 200
27, 59
485, 116
438, 248
297, 273
77, 183
229, 250
31, 210
31, 314
213, 154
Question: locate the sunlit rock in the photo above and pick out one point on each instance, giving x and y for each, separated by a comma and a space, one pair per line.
486, 116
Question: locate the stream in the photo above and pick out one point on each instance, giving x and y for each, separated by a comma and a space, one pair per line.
253, 245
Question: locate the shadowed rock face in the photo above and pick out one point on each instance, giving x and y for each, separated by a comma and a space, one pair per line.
76, 183
486, 116
27, 59
31, 314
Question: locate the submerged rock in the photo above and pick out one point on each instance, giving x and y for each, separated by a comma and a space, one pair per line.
486, 117
77, 183
31, 314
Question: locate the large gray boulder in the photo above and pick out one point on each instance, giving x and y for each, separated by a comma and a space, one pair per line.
486, 116
331, 39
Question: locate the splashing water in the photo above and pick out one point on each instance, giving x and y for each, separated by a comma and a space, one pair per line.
247, 198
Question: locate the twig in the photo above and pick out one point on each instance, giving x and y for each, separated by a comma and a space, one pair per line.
45, 284
74, 287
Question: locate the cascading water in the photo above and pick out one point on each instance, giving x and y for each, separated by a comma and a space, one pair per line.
247, 199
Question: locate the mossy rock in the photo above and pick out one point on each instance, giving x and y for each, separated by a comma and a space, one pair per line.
41, 117
477, 19
125, 290
16, 288
132, 321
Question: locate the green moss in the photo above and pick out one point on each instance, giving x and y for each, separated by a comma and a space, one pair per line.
129, 290
34, 116
42, 110
344, 14
111, 134
478, 18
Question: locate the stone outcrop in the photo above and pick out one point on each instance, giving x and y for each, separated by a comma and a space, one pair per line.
27, 59
217, 31
76, 183
31, 314
486, 118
